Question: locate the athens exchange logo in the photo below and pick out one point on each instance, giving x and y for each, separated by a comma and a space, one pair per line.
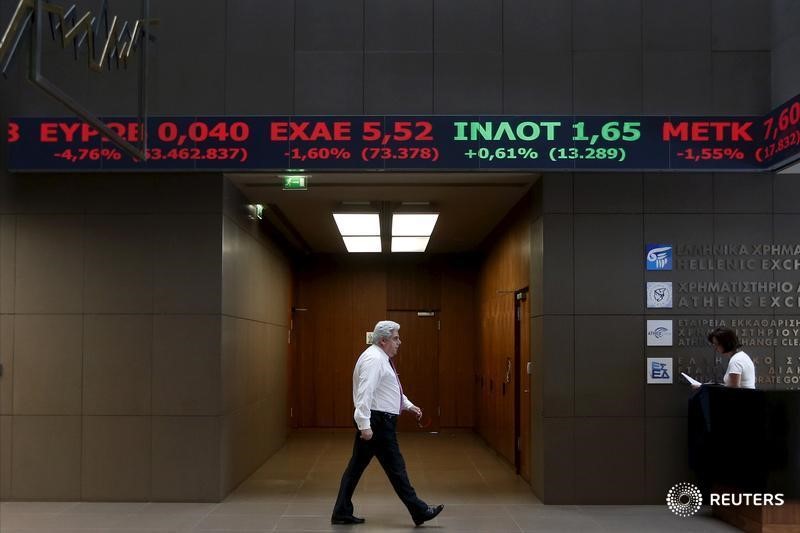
684, 499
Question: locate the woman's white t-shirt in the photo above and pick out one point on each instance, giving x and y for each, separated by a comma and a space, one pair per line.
741, 364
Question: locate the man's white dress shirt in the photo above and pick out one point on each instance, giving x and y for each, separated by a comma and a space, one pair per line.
376, 387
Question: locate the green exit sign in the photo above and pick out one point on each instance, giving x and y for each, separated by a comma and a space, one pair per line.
295, 183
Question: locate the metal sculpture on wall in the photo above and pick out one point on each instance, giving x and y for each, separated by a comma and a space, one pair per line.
121, 41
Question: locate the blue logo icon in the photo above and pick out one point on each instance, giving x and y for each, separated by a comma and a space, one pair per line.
659, 257
659, 370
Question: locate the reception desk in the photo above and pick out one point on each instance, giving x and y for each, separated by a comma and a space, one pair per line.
748, 441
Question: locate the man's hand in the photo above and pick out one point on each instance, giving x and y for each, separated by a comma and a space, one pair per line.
417, 411
366, 434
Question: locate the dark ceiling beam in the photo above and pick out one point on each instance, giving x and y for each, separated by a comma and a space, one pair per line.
317, 185
281, 223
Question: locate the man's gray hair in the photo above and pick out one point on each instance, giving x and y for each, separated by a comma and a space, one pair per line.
383, 330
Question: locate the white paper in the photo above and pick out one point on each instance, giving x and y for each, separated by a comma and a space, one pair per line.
691, 381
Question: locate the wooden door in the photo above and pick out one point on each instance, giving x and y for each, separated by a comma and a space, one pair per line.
523, 390
417, 363
506, 382
294, 371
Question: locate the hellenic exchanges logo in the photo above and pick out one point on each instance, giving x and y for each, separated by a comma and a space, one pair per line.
659, 257
685, 499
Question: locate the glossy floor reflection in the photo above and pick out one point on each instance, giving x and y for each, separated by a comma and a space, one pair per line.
295, 490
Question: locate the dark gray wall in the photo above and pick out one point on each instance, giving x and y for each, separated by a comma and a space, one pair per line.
444, 56
599, 420
127, 290
110, 297
256, 288
785, 46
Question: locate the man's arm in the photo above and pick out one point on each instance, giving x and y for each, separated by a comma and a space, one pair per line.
368, 375
408, 406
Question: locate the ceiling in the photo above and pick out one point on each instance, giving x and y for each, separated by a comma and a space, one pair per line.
470, 205
793, 168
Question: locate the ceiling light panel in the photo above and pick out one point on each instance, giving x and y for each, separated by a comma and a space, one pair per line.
409, 244
362, 244
357, 223
413, 225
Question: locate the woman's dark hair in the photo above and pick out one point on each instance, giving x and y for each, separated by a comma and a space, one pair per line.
726, 338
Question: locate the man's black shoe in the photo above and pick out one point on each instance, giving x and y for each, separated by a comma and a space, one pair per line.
429, 514
346, 520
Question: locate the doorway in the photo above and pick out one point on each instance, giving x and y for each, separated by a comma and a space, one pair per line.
469, 276
417, 365
522, 397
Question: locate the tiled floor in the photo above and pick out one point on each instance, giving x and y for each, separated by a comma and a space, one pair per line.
295, 490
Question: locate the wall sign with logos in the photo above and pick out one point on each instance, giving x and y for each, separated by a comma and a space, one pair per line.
440, 142
762, 309
774, 269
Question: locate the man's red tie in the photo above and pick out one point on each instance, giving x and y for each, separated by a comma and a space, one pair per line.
396, 375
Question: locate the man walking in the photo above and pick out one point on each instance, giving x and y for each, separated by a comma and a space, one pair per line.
378, 398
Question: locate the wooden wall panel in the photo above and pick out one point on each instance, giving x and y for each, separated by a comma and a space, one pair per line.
369, 303
368, 288
417, 365
304, 351
330, 297
505, 269
413, 284
457, 344
345, 297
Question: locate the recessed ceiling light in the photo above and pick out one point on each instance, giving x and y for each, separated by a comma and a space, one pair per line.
362, 244
357, 223
409, 244
413, 225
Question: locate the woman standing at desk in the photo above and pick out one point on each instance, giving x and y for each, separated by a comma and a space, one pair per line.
741, 372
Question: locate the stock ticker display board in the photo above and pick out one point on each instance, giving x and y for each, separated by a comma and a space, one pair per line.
407, 143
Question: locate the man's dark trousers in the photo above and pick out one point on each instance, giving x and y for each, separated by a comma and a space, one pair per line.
384, 446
